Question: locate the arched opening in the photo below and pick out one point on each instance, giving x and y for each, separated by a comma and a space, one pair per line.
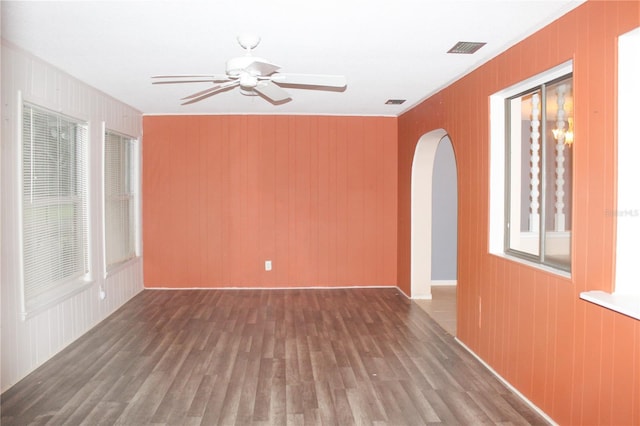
433, 216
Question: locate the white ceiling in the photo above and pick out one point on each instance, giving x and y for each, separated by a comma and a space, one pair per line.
387, 49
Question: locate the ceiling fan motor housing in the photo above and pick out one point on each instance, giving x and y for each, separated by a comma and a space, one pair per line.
236, 66
248, 81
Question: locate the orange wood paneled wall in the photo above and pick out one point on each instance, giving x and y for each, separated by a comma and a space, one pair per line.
578, 362
316, 195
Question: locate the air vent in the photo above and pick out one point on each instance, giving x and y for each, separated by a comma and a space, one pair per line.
466, 47
395, 101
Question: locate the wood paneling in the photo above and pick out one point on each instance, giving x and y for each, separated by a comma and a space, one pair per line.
28, 343
579, 362
316, 195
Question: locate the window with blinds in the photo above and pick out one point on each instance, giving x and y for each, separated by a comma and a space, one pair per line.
120, 232
54, 203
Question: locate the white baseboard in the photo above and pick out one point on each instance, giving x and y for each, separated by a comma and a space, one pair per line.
423, 296
402, 292
509, 385
278, 288
437, 283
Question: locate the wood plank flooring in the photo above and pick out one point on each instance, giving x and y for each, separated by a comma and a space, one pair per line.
264, 357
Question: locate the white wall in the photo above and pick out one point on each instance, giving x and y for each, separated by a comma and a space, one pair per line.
27, 343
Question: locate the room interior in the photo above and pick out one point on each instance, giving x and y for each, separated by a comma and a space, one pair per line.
322, 189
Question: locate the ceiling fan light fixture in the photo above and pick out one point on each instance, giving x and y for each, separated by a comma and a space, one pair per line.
248, 81
466, 47
247, 92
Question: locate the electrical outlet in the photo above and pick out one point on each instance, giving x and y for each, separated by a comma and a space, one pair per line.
267, 265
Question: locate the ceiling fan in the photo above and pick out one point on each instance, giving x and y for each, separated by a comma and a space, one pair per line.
254, 76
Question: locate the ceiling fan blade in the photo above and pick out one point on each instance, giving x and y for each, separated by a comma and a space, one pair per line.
215, 77
196, 97
261, 67
203, 92
210, 80
215, 88
310, 79
271, 91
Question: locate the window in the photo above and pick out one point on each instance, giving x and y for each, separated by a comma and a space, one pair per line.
532, 136
628, 210
626, 295
119, 189
54, 204
539, 158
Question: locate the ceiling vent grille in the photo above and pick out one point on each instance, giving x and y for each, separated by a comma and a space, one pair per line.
466, 47
395, 101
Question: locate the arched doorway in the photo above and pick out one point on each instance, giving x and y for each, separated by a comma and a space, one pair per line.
422, 214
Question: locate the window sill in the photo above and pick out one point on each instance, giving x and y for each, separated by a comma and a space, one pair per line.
626, 304
53, 298
117, 267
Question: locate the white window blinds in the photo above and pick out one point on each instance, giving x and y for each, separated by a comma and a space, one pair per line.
119, 198
54, 202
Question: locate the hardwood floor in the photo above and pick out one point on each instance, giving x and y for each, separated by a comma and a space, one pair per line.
264, 357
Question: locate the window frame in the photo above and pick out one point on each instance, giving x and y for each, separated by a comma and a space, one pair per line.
541, 257
498, 201
132, 196
625, 295
64, 287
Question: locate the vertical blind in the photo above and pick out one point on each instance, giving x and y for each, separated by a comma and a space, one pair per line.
54, 201
119, 198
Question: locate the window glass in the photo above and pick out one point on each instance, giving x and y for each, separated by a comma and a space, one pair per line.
539, 163
54, 201
119, 198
